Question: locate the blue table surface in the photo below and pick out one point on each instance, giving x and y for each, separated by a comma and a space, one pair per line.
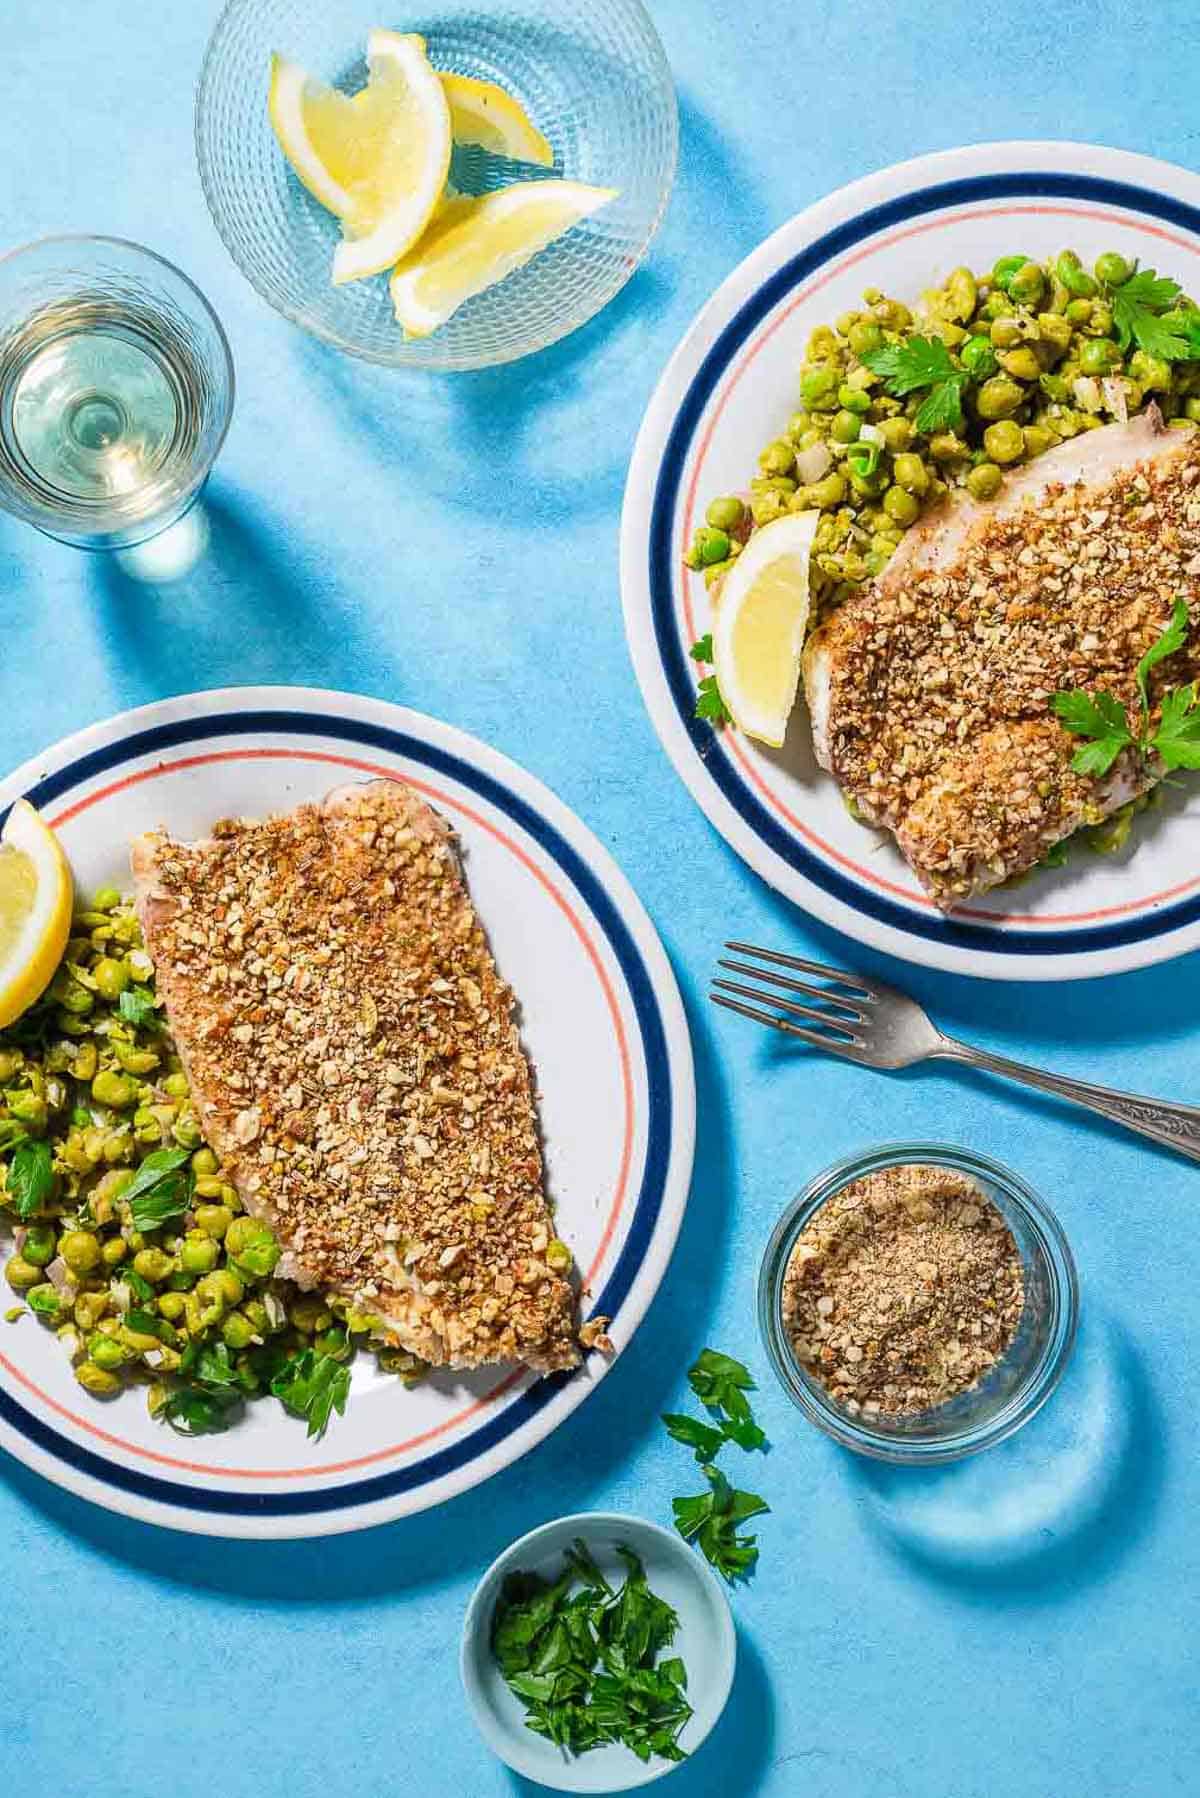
1023, 1623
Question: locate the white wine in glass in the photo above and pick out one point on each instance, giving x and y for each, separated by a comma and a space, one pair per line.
116, 388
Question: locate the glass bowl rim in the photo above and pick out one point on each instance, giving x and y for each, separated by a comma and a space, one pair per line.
427, 360
1058, 1338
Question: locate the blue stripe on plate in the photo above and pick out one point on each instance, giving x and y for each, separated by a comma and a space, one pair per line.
165, 737
713, 759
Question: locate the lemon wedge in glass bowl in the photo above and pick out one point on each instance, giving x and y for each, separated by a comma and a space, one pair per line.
377, 159
758, 631
483, 113
36, 892
476, 241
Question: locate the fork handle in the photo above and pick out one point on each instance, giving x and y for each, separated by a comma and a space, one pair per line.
1173, 1126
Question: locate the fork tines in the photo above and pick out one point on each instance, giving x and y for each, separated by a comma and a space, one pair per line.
835, 1013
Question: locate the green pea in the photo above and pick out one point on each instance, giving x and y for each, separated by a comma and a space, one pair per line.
186, 1128
153, 1265
896, 432
944, 446
724, 514
845, 427
1021, 363
39, 1244
1054, 331
11, 1063
214, 1220
21, 1274
1097, 355
961, 293
1056, 388
84, 1065
978, 357
1112, 269
1078, 312
998, 397
1191, 408
1153, 373
1027, 285
818, 388
910, 473
779, 457
135, 1060
117, 1091
1038, 439
30, 1109
308, 1313
901, 506
1073, 276
106, 899
176, 1086
828, 493
99, 1381
221, 1287
238, 1331
1004, 270
1004, 441
113, 1251
854, 399
80, 1250
864, 337
90, 1308
107, 1352
199, 1253
45, 1301
111, 977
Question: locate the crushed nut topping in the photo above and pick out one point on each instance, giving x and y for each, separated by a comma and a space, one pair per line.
355, 1062
903, 1290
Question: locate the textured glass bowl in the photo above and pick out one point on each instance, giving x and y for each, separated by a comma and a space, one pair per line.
1020, 1382
591, 74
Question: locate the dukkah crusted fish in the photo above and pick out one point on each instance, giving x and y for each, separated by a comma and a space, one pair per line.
354, 1060
930, 690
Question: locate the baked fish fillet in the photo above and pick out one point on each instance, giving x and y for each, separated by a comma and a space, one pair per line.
930, 689
354, 1061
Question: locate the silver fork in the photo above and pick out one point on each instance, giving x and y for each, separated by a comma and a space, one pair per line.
872, 1023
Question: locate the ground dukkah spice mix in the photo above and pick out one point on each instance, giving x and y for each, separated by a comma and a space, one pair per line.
903, 1290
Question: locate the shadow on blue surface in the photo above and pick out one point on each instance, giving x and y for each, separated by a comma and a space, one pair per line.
734, 1760
1051, 1511
249, 611
460, 1538
1055, 1024
535, 428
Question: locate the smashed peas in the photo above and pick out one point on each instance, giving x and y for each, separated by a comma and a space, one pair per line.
175, 1288
1041, 362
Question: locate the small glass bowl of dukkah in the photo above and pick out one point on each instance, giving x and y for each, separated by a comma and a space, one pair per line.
918, 1302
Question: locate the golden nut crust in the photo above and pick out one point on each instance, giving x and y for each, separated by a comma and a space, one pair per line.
354, 1060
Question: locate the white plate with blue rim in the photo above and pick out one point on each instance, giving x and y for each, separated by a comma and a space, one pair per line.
601, 1019
729, 388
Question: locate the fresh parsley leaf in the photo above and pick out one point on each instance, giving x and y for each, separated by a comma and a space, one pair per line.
711, 1518
30, 1179
584, 1658
196, 1410
703, 1437
1099, 717
1146, 312
709, 703
160, 1189
1177, 739
146, 1324
137, 1006
313, 1386
721, 1383
1172, 640
923, 362
1057, 855
702, 649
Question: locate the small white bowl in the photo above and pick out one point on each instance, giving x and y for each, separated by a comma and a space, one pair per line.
706, 1643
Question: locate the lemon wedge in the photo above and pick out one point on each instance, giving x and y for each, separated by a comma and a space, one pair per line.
36, 891
483, 113
475, 242
758, 632
378, 159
